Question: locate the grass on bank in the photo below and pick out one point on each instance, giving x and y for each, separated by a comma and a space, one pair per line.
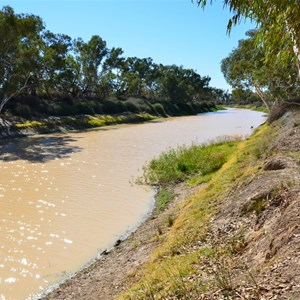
254, 107
194, 164
82, 122
173, 270
131, 111
179, 164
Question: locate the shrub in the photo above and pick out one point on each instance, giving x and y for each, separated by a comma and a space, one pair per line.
23, 110
67, 109
84, 108
159, 109
131, 107
186, 108
121, 107
98, 108
110, 107
68, 100
176, 165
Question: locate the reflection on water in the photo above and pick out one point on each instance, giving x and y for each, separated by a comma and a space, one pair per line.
64, 198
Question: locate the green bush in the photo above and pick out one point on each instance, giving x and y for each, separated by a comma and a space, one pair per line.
23, 110
131, 107
158, 107
67, 110
85, 108
98, 108
110, 107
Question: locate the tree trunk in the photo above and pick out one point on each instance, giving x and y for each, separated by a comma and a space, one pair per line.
3, 102
296, 46
296, 49
262, 97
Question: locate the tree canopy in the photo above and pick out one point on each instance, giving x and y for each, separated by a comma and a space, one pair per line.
246, 68
278, 23
269, 60
37, 62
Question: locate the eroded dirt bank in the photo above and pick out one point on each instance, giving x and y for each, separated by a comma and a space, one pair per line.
255, 236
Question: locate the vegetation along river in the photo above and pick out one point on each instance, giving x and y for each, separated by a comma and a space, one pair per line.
66, 198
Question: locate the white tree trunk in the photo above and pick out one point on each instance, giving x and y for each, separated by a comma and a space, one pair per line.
296, 49
3, 102
296, 45
262, 97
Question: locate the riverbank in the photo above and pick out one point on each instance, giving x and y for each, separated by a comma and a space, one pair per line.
236, 236
15, 126
67, 124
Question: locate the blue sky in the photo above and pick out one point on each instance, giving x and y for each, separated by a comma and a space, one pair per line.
170, 31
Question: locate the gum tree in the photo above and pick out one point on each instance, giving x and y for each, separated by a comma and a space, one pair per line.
246, 68
19, 52
278, 22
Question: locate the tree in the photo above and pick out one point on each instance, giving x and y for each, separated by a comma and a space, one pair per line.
182, 85
57, 62
220, 96
90, 56
279, 26
246, 68
19, 52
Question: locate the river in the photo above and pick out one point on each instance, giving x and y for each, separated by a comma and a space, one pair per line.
64, 198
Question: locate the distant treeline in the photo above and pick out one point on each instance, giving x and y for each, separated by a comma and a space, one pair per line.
43, 73
29, 107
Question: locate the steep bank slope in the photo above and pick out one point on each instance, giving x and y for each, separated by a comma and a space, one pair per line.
237, 237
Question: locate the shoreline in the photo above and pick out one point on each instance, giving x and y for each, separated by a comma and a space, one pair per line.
13, 127
79, 123
114, 266
246, 216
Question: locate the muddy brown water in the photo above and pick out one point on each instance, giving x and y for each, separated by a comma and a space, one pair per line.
66, 198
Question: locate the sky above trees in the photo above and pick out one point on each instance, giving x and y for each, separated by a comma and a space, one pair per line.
169, 31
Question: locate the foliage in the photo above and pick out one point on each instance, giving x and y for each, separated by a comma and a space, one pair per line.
176, 165
278, 22
67, 74
269, 60
82, 122
163, 197
19, 51
246, 68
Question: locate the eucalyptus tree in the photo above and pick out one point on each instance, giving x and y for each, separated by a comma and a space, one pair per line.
56, 62
242, 69
90, 56
19, 52
111, 73
136, 74
278, 22
220, 95
247, 68
182, 85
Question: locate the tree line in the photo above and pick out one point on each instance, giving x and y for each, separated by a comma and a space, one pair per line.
38, 64
265, 65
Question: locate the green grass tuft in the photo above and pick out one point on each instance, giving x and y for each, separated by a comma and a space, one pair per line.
177, 165
163, 197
